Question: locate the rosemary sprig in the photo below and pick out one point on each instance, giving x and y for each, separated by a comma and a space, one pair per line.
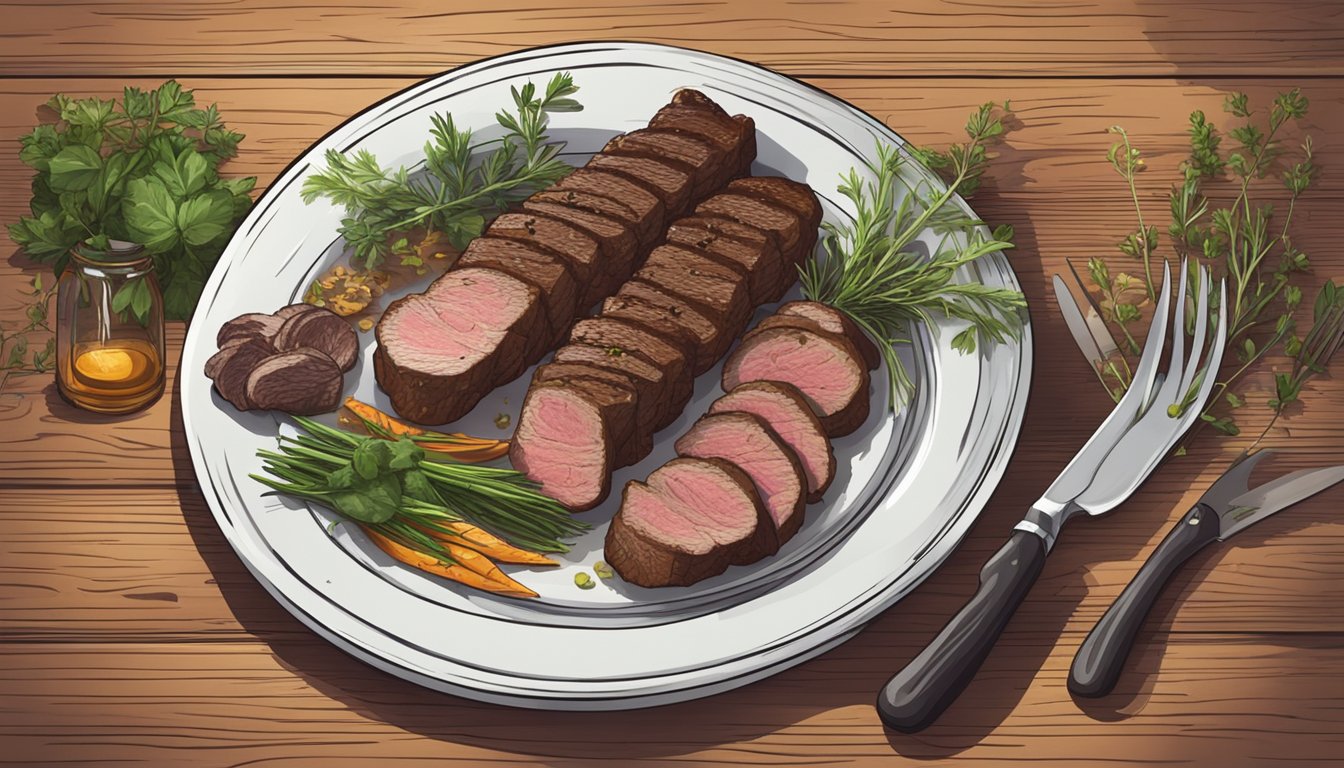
872, 272
459, 188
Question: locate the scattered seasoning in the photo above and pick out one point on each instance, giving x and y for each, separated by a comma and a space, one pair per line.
615, 351
603, 570
502, 420
583, 581
366, 324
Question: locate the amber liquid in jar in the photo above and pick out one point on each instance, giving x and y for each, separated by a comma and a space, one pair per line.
122, 375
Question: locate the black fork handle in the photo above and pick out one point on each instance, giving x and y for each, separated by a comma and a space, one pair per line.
918, 694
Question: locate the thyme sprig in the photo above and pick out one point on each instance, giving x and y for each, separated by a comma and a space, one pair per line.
1240, 239
872, 272
463, 183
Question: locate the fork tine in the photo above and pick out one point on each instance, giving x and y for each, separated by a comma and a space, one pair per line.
1170, 390
1144, 374
1201, 329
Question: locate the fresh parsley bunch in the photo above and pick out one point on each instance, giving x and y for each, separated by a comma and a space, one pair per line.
145, 169
461, 186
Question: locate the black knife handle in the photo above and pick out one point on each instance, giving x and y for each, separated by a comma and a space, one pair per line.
1098, 663
915, 697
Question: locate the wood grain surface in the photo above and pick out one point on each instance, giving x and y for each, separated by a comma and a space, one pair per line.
131, 634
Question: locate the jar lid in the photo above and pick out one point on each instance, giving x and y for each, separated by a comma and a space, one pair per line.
116, 252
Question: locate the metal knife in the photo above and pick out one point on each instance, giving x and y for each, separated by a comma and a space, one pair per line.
1225, 510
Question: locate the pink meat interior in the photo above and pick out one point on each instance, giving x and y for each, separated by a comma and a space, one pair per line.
648, 513
708, 498
556, 446
794, 428
743, 442
820, 369
457, 322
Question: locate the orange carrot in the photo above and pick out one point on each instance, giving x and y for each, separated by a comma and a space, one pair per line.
467, 571
481, 540
464, 448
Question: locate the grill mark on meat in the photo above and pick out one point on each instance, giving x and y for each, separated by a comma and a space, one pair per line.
785, 193
707, 164
760, 261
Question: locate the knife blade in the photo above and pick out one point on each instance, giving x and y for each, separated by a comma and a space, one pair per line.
1225, 510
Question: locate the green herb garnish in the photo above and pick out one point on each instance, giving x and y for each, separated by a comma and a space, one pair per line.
458, 191
145, 169
872, 272
1239, 237
395, 487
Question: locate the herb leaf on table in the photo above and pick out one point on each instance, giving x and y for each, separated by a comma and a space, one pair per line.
459, 189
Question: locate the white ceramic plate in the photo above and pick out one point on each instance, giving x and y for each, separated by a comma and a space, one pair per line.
909, 484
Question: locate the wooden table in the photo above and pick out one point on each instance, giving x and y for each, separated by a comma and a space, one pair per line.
130, 632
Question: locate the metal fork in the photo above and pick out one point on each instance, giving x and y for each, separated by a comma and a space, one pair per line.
1120, 455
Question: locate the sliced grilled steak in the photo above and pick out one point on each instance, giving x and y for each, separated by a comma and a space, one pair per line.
599, 204
648, 381
439, 352
715, 289
779, 222
735, 137
693, 519
707, 165
304, 381
835, 321
233, 364
567, 436
787, 412
713, 340
756, 237
826, 368
612, 334
669, 182
798, 198
759, 260
649, 209
254, 325
547, 271
616, 240
640, 441
748, 443
579, 249
661, 322
322, 330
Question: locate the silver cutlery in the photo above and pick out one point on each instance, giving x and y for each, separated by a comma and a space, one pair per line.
1153, 414
1227, 508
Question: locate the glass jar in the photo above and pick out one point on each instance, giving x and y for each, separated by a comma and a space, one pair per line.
109, 329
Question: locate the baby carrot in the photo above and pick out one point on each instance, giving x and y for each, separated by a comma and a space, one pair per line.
472, 537
464, 448
496, 581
